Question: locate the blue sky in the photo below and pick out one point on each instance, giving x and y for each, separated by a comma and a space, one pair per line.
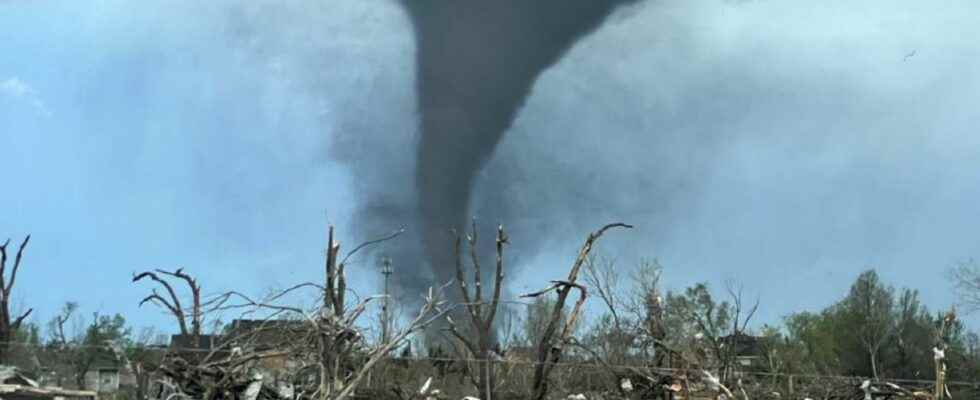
784, 144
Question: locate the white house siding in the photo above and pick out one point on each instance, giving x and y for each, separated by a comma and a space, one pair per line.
103, 380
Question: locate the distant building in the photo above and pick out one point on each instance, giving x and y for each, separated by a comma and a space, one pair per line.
249, 335
749, 351
10, 375
262, 335
196, 348
106, 371
196, 342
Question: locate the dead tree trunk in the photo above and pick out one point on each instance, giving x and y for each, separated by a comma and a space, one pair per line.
333, 309
550, 345
481, 315
940, 390
328, 352
173, 304
9, 328
336, 334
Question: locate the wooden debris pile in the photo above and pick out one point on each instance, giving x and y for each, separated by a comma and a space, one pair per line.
850, 390
869, 390
216, 381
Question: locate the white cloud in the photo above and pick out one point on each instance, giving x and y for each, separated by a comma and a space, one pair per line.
14, 88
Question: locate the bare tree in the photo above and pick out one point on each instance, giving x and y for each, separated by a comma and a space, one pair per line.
63, 343
57, 325
173, 303
553, 340
330, 348
941, 390
144, 360
481, 315
601, 276
618, 332
966, 282
9, 327
647, 304
336, 332
740, 321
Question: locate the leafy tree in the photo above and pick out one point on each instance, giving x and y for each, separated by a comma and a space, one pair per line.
781, 354
23, 346
105, 338
74, 352
967, 363
697, 322
868, 309
911, 347
815, 335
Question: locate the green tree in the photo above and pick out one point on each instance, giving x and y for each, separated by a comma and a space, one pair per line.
105, 340
869, 310
911, 347
815, 335
697, 323
23, 348
781, 355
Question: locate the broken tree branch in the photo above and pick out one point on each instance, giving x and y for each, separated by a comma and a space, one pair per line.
549, 350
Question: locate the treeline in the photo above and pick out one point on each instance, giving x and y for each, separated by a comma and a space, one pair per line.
874, 331
644, 333
73, 347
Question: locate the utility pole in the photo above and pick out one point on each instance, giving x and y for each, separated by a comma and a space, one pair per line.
385, 309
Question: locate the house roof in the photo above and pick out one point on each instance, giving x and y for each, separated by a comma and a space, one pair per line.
106, 358
257, 333
11, 375
266, 333
255, 324
745, 345
198, 342
195, 349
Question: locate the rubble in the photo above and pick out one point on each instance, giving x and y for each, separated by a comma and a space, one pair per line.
626, 385
18, 392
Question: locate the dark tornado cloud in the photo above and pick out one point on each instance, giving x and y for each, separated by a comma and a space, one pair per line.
476, 64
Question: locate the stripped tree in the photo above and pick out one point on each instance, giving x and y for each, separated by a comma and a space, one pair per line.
941, 391
481, 314
9, 328
741, 316
328, 356
554, 339
172, 301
